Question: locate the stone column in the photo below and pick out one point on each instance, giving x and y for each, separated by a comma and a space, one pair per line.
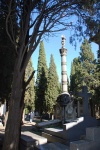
63, 53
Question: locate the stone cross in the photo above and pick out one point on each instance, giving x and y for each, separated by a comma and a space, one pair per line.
85, 95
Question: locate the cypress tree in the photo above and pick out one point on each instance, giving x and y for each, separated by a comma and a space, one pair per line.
72, 79
29, 98
88, 70
83, 67
75, 77
97, 81
7, 56
82, 73
52, 86
41, 81
88, 64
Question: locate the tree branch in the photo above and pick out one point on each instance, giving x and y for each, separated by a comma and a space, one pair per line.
30, 78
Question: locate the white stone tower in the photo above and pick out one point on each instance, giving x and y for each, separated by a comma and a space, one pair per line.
63, 53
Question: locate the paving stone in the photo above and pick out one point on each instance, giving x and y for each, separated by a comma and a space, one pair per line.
52, 146
40, 139
52, 138
29, 140
85, 145
93, 133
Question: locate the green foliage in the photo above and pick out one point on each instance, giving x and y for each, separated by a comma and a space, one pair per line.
92, 21
41, 81
96, 84
7, 57
60, 88
86, 52
27, 110
88, 64
52, 86
29, 98
82, 69
87, 21
75, 77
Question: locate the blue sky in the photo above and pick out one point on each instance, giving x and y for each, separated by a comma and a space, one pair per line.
52, 46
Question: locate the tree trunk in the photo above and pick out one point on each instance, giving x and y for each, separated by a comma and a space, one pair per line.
13, 127
23, 116
6, 118
6, 114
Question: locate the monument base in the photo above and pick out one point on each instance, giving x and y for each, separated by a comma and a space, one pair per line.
73, 131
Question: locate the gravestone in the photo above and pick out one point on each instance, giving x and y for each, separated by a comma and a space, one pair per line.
90, 142
85, 95
63, 100
29, 140
65, 109
47, 123
70, 112
58, 111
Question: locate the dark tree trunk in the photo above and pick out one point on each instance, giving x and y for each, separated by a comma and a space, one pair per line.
13, 127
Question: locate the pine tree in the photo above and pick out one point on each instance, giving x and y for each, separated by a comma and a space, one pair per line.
52, 86
41, 81
29, 98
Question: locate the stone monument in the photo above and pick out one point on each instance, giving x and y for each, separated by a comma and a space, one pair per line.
64, 99
73, 128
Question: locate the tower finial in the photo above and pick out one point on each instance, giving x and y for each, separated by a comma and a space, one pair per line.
63, 41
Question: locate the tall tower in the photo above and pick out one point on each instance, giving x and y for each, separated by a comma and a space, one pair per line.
63, 53
64, 98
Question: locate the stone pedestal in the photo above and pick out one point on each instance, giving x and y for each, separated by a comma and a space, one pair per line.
91, 142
